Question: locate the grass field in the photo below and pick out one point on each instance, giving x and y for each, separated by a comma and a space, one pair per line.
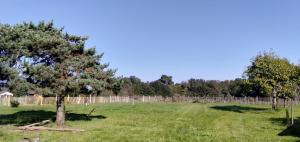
155, 122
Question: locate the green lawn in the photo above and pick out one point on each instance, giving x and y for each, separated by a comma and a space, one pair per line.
155, 122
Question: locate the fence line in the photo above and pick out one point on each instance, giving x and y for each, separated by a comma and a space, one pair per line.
30, 100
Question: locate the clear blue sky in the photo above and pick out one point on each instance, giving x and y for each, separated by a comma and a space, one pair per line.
210, 39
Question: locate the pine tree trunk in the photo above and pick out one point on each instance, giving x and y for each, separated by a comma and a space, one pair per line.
60, 111
284, 102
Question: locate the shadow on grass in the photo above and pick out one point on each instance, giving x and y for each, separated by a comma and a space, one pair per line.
289, 131
32, 116
238, 109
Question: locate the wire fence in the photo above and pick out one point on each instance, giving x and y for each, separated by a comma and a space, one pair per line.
38, 100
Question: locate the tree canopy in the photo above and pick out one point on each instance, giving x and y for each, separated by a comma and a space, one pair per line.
272, 75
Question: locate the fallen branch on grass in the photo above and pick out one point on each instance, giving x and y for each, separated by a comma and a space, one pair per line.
30, 140
38, 124
42, 128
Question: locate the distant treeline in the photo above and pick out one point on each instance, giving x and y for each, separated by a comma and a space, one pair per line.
194, 87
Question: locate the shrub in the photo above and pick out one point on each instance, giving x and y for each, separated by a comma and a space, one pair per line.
14, 103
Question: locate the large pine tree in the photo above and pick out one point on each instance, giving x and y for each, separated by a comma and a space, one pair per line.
55, 62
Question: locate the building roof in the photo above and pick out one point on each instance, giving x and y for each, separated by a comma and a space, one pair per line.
6, 94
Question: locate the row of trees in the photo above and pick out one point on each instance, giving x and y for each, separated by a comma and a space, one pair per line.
267, 76
194, 87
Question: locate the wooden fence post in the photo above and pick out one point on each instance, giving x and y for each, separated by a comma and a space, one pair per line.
133, 100
8, 100
26, 99
42, 100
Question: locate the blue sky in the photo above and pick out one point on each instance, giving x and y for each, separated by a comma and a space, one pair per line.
210, 39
